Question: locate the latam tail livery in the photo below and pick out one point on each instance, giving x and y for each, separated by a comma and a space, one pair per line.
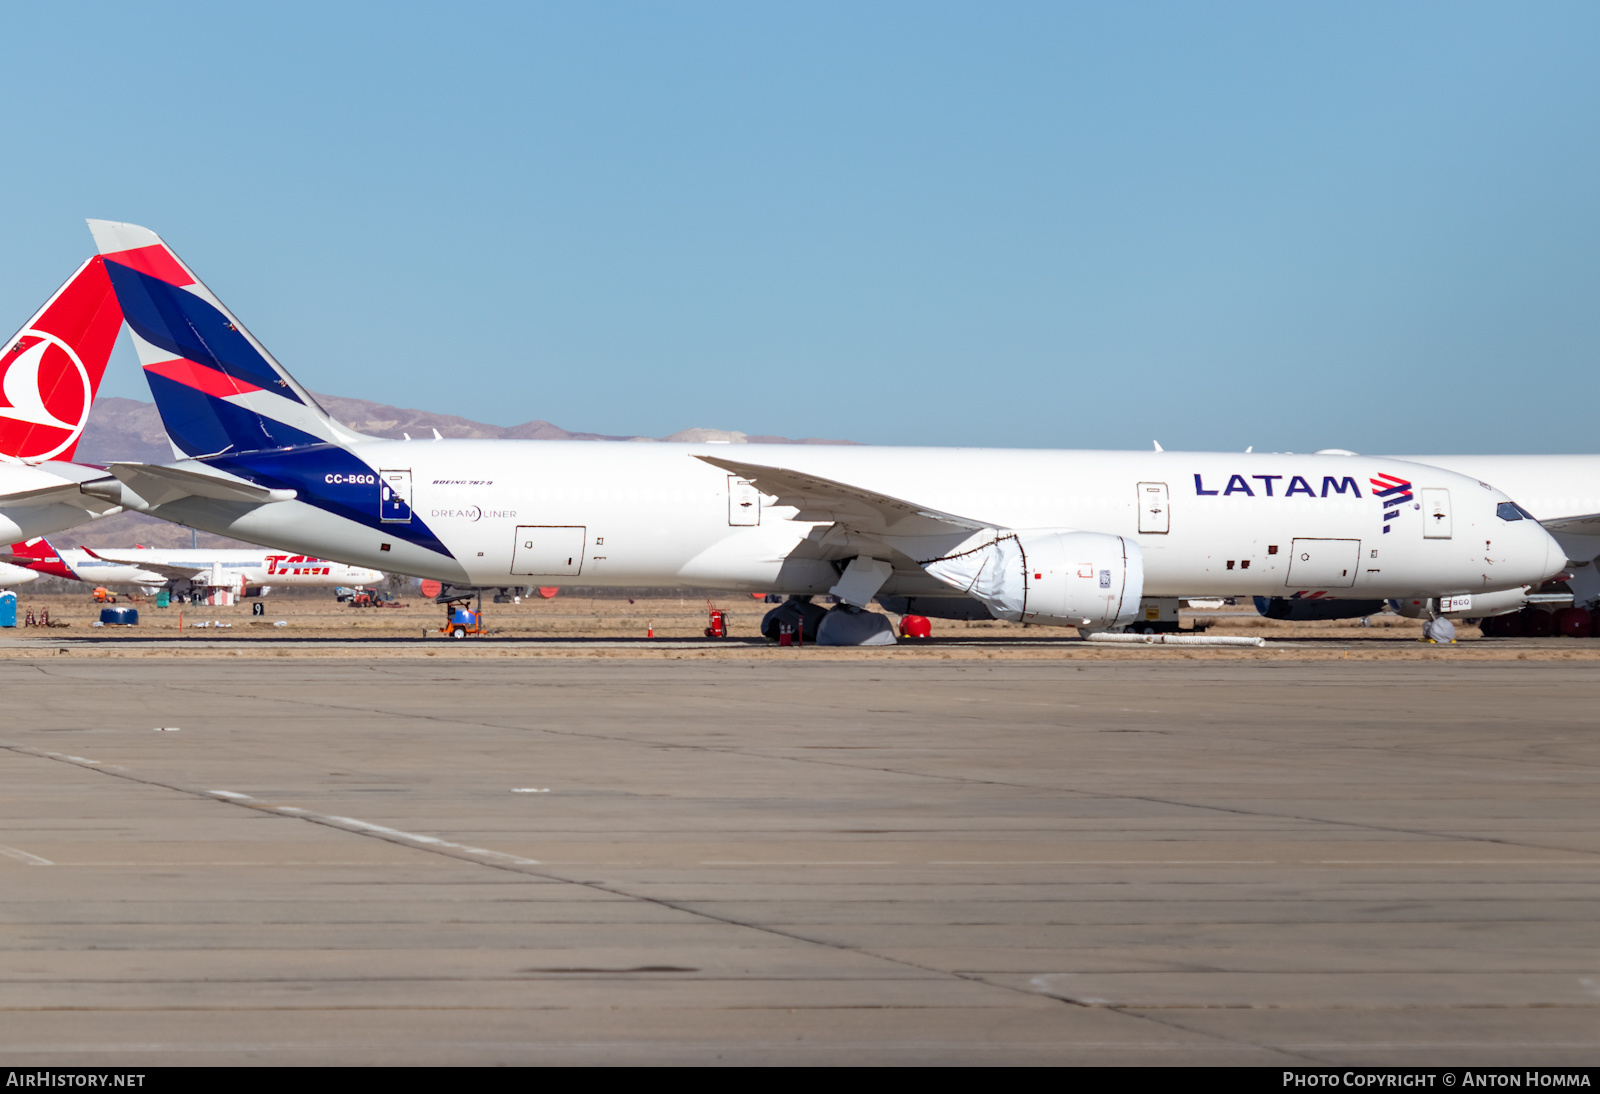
1052, 537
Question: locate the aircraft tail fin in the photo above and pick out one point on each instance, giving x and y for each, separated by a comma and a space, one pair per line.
50, 370
39, 556
216, 386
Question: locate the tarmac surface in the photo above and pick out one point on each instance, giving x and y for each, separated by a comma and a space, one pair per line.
365, 858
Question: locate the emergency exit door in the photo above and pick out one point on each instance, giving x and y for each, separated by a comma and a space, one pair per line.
1153, 516
394, 496
744, 502
549, 550
1435, 513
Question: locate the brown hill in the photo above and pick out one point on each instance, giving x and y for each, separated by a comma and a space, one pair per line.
127, 429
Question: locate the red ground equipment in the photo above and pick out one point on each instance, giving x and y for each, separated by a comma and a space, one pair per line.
719, 622
915, 626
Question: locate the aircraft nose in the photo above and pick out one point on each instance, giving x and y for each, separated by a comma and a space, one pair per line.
1555, 556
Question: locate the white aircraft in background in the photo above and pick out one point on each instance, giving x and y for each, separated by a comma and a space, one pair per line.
242, 571
50, 371
1063, 538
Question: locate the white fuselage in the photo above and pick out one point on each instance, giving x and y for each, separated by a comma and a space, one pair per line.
654, 514
222, 567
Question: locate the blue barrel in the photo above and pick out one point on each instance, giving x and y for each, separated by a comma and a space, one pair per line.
8, 609
119, 617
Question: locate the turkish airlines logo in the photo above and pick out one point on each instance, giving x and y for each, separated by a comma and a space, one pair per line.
45, 395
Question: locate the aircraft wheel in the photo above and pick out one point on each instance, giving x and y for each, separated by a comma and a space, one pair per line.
458, 632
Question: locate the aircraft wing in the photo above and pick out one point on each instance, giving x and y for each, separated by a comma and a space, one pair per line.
1586, 525
865, 511
160, 569
158, 484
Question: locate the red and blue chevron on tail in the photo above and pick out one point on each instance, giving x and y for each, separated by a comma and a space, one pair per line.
224, 400
217, 388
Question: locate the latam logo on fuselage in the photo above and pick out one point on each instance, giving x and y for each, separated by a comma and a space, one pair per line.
1394, 490
1238, 484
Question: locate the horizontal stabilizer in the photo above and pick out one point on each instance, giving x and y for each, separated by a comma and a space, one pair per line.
158, 484
66, 493
61, 486
826, 501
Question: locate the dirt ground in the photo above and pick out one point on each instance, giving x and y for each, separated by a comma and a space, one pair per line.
602, 615
602, 623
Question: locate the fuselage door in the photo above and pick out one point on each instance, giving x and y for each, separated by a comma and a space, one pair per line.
394, 497
1324, 563
1153, 516
1435, 513
549, 551
744, 502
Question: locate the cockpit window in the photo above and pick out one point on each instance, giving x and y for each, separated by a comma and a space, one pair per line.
1510, 510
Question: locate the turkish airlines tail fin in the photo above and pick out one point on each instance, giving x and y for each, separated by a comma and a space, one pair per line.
50, 370
217, 388
37, 555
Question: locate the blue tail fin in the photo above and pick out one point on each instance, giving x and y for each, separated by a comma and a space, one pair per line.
217, 388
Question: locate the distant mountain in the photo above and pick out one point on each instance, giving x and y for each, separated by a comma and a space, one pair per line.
127, 429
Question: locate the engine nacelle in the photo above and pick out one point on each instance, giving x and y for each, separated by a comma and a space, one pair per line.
1049, 577
16, 575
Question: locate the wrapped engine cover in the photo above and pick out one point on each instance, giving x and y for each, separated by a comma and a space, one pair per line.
1047, 576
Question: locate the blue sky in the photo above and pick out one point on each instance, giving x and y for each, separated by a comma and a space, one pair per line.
1368, 226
